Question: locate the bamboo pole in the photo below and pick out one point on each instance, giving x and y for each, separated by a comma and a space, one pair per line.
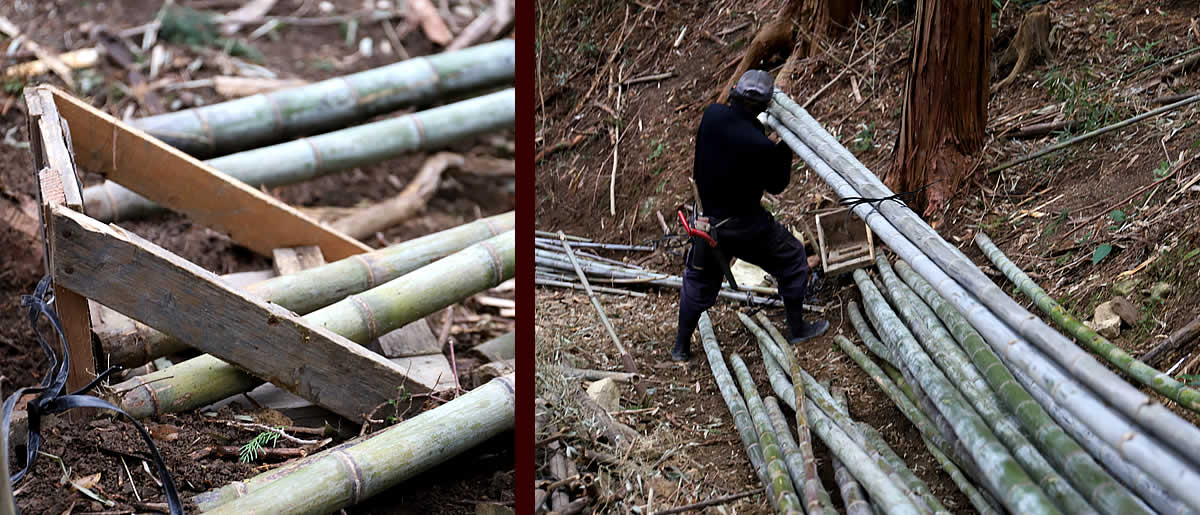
939, 345
306, 291
1001, 473
670, 281
1143, 373
735, 402
800, 463
909, 478
1081, 470
362, 317
348, 476
267, 118
1111, 423
814, 494
929, 434
307, 158
626, 358
890, 496
970, 290
784, 498
809, 389
852, 494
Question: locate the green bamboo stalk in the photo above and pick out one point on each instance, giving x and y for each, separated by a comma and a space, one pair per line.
350, 475
934, 440
362, 317
734, 400
939, 345
910, 479
813, 391
852, 495
919, 398
307, 158
1105, 492
887, 494
868, 337
315, 288
784, 498
1000, 472
271, 117
801, 464
1143, 373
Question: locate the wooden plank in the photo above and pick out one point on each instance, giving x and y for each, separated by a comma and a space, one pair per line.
431, 371
178, 181
294, 259
414, 339
162, 290
58, 185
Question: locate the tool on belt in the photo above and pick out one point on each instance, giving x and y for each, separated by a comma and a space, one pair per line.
700, 231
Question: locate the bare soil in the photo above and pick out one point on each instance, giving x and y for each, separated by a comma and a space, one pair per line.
310, 53
1104, 61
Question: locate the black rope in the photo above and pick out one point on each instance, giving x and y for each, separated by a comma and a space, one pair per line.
51, 398
898, 198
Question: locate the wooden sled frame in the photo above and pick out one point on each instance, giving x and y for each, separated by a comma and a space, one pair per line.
88, 259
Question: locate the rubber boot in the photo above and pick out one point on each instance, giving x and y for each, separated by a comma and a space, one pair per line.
682, 350
809, 331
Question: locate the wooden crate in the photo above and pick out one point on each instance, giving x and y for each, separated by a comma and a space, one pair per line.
846, 242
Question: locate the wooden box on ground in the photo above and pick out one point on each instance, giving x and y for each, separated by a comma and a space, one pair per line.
846, 242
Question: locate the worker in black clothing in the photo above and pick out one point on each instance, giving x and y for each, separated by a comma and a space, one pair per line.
734, 163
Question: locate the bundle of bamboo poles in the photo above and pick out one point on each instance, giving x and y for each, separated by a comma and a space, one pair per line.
263, 119
360, 317
1076, 413
308, 158
553, 268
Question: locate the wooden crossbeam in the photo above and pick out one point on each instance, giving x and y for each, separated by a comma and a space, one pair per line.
58, 185
180, 182
145, 282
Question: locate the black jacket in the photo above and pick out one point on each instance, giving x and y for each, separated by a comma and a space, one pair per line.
735, 162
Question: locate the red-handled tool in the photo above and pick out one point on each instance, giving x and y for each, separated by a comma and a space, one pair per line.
696, 232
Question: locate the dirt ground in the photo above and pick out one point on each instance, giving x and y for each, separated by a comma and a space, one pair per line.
1105, 65
310, 53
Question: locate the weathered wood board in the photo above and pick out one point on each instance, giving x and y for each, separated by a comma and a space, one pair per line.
58, 185
178, 181
173, 295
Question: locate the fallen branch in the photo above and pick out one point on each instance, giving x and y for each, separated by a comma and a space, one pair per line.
1178, 339
409, 203
1097, 132
711, 502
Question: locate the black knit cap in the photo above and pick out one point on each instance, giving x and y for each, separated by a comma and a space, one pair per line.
756, 86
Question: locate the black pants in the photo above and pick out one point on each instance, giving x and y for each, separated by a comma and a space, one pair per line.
760, 241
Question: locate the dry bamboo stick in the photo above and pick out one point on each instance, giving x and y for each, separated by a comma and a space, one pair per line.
361, 317
626, 358
263, 119
134, 344
344, 476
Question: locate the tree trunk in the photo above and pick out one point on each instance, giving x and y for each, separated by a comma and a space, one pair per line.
945, 108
